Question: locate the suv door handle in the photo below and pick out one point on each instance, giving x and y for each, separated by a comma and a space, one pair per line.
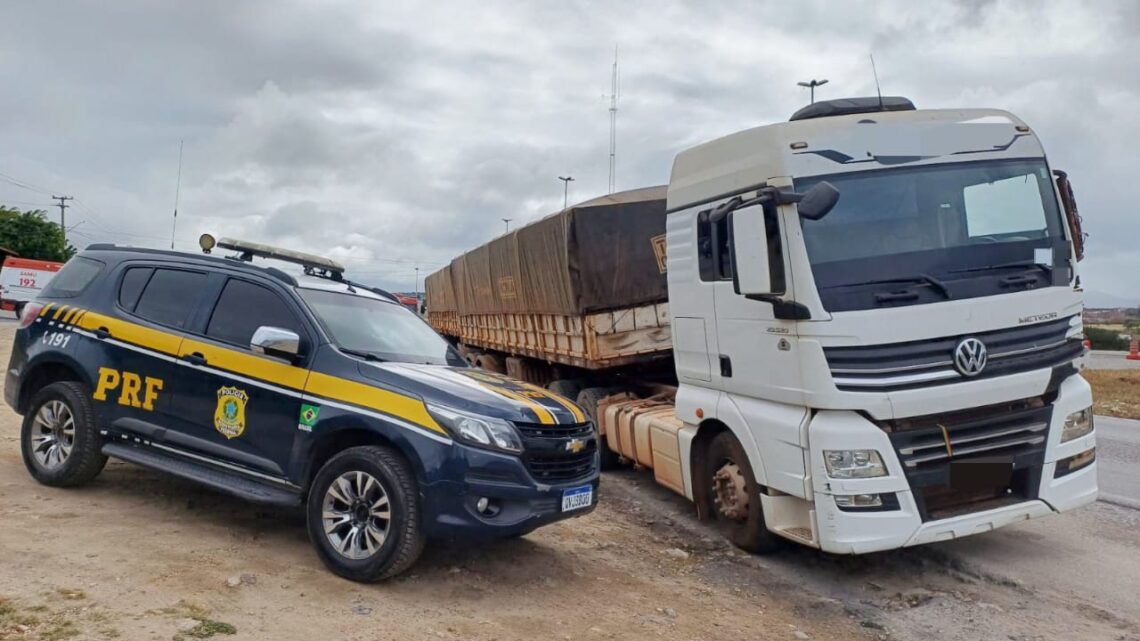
102, 333
194, 359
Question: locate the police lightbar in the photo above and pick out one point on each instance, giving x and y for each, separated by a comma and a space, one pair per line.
247, 250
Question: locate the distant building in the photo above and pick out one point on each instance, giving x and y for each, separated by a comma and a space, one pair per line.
1108, 316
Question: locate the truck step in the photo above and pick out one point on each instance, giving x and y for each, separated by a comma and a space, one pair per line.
209, 475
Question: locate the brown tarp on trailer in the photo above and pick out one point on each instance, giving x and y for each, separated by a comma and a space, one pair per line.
440, 292
606, 253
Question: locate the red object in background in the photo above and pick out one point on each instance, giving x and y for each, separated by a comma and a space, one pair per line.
28, 263
1133, 351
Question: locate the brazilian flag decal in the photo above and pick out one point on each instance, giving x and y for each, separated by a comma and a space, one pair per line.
308, 417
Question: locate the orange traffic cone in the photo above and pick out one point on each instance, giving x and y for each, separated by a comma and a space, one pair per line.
1133, 350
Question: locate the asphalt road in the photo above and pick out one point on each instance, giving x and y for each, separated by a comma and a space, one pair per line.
1100, 359
1118, 457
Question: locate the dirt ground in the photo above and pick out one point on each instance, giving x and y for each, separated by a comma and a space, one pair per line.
1116, 392
140, 555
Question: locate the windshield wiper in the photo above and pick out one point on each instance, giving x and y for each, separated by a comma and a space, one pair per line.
368, 356
914, 280
1048, 269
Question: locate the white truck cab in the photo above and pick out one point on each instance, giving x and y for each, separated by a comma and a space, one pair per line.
897, 365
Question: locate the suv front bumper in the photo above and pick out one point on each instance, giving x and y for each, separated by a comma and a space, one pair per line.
519, 503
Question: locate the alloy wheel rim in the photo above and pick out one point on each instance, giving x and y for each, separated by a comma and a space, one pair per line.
356, 515
53, 434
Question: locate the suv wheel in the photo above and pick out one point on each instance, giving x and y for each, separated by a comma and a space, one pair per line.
60, 439
734, 498
363, 514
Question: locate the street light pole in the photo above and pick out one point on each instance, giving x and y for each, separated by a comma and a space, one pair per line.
506, 224
812, 85
565, 189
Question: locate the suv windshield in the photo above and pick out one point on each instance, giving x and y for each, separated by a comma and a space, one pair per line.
378, 328
964, 221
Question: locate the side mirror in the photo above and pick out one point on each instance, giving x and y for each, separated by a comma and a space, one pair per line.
818, 201
1072, 216
277, 342
748, 244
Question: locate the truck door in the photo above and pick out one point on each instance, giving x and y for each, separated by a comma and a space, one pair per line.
757, 364
242, 406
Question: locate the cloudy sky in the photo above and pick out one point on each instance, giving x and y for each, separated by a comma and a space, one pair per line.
391, 138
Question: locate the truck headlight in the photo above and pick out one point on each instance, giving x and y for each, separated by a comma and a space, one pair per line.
1077, 424
853, 464
484, 431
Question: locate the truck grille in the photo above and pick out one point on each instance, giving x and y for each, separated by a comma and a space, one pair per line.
913, 364
927, 446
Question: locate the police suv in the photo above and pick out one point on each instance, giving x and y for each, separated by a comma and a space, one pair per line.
290, 389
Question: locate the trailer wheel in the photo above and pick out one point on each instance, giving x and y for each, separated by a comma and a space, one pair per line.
588, 400
567, 387
492, 363
734, 496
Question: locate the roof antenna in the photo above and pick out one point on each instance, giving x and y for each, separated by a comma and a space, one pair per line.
875, 73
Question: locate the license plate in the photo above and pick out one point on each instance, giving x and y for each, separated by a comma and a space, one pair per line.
577, 498
980, 474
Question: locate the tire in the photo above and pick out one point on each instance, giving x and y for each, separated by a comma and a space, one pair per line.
492, 363
741, 523
565, 387
353, 557
60, 438
588, 400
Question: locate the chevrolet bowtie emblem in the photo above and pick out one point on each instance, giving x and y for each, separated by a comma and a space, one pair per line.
575, 446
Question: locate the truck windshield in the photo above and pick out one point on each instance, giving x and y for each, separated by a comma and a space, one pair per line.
378, 329
957, 222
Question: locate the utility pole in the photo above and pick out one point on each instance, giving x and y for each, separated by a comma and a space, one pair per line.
812, 85
417, 290
177, 191
62, 217
506, 224
565, 189
613, 123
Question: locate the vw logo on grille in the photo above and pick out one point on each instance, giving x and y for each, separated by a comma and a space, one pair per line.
970, 356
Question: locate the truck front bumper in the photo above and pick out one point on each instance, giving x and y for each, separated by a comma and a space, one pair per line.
1046, 487
516, 502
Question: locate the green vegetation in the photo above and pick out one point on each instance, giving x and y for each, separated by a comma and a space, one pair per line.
207, 628
31, 235
1102, 338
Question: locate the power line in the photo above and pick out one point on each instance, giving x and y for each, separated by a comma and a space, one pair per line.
22, 184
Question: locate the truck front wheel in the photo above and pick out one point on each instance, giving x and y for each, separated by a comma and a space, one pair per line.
734, 496
363, 514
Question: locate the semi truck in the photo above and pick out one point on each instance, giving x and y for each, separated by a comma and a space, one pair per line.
858, 330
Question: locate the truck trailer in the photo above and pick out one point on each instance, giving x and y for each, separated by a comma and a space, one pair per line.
858, 330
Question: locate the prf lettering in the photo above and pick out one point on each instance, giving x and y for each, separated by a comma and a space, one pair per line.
129, 385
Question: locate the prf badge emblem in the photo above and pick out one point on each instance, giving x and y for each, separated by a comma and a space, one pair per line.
229, 417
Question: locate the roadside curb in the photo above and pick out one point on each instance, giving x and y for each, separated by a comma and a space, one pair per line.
1119, 501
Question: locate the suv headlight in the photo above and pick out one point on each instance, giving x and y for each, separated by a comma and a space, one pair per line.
853, 464
1077, 424
494, 433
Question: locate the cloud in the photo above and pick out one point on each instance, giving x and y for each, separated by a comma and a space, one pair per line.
395, 136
